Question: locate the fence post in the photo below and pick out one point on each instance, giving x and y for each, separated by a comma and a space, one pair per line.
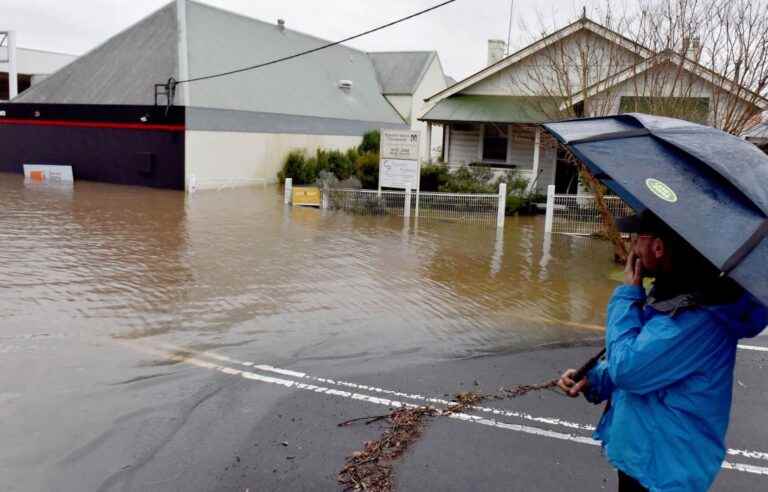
407, 211
548, 221
502, 207
288, 190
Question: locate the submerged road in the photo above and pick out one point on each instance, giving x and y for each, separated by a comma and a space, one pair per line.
154, 341
202, 420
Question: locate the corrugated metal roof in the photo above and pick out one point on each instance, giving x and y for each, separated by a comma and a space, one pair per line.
125, 69
494, 109
122, 70
400, 72
309, 86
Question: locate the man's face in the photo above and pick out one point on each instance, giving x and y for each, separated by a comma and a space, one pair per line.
650, 250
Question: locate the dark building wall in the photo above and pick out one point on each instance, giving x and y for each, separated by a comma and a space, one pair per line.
24, 82
102, 143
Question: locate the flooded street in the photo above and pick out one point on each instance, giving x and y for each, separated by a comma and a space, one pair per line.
237, 267
151, 341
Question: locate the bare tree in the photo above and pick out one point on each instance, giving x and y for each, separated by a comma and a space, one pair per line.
701, 60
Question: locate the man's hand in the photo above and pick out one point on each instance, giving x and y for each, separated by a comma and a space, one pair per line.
633, 271
571, 387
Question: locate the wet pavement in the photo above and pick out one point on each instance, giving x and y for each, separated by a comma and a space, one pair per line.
152, 341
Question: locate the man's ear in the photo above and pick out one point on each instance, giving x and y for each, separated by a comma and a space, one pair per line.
658, 247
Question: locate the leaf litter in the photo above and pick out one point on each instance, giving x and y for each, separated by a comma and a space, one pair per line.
372, 467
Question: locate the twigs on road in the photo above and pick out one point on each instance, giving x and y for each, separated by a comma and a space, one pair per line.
371, 468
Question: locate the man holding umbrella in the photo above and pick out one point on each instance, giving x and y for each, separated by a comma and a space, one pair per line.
667, 370
668, 373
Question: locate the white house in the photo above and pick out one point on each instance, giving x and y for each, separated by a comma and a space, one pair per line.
492, 117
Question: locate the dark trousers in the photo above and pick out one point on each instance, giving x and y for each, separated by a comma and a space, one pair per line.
629, 484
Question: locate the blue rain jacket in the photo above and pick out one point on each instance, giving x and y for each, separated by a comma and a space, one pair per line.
669, 380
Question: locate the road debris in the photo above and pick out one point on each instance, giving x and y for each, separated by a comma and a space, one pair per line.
372, 467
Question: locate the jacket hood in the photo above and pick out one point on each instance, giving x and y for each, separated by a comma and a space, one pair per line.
745, 318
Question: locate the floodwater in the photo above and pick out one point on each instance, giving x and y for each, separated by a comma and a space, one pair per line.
237, 268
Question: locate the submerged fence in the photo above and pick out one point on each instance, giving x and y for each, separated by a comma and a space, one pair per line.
580, 214
487, 209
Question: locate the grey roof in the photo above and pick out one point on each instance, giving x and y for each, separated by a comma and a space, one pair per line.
125, 68
449, 81
309, 86
122, 70
401, 72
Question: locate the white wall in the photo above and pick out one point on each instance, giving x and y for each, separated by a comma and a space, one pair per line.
234, 158
464, 148
534, 75
403, 104
36, 62
432, 83
667, 80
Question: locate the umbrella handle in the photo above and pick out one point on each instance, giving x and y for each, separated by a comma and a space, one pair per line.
583, 370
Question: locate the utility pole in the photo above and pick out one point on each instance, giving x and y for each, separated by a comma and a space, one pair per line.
9, 39
511, 15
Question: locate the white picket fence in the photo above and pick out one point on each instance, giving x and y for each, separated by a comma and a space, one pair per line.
487, 209
579, 214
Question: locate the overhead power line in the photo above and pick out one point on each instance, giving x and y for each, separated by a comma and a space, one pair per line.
313, 50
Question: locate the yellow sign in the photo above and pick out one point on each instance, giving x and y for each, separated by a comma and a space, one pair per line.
308, 196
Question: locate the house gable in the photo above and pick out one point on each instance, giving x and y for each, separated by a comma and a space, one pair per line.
542, 73
550, 40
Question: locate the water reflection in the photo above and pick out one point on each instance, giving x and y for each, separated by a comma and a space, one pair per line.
237, 268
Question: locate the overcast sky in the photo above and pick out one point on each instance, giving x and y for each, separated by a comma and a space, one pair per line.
459, 31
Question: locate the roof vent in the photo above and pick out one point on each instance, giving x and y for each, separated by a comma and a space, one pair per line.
345, 85
281, 24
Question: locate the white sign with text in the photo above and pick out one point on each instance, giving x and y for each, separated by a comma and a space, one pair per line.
396, 173
47, 173
399, 161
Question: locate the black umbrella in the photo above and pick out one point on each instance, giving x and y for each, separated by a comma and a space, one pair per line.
709, 186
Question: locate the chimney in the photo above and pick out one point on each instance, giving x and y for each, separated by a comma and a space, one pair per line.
497, 50
691, 47
281, 24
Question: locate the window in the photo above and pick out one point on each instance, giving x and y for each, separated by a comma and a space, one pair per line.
495, 143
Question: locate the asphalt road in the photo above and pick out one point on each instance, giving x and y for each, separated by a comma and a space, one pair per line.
211, 421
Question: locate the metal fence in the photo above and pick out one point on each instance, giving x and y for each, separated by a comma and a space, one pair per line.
579, 214
458, 207
487, 209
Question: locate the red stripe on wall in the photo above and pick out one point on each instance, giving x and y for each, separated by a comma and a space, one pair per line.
93, 124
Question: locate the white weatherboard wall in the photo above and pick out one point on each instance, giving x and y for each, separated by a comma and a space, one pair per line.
239, 158
432, 83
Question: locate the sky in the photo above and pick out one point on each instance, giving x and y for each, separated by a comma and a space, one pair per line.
459, 31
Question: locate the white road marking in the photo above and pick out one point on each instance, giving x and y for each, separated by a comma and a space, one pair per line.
756, 348
742, 467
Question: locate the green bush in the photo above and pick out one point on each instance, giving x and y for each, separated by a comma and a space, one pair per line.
464, 180
299, 168
340, 164
433, 176
371, 141
367, 170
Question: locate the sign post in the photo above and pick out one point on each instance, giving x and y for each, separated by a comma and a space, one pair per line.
399, 165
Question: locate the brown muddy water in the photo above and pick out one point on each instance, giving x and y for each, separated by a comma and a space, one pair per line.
237, 267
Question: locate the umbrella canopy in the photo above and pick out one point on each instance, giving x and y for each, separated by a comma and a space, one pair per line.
709, 186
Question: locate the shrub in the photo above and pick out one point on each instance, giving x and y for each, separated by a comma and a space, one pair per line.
299, 168
340, 164
463, 180
433, 176
371, 141
367, 169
